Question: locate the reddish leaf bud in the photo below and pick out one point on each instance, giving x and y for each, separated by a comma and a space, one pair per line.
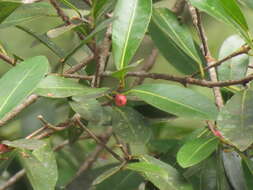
218, 134
120, 100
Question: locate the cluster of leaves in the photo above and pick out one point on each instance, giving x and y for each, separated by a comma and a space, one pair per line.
164, 125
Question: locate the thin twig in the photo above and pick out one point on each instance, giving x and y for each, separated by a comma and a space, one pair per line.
13, 179
99, 141
75, 76
89, 161
147, 66
60, 12
206, 52
102, 58
7, 59
31, 99
45, 133
179, 7
79, 66
243, 50
187, 80
122, 147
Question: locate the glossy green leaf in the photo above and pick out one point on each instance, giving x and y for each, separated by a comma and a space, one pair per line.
41, 168
123, 180
101, 7
227, 11
6, 8
106, 175
29, 144
176, 100
90, 109
130, 125
28, 12
234, 171
120, 73
20, 81
168, 178
128, 29
6, 159
194, 151
56, 32
175, 41
147, 167
235, 68
248, 175
235, 120
59, 87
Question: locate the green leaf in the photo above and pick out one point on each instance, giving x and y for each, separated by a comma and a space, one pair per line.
130, 125
121, 73
194, 151
101, 7
234, 171
28, 12
147, 167
236, 67
176, 100
56, 32
41, 168
248, 176
235, 120
172, 37
107, 174
248, 3
20, 81
227, 11
6, 8
90, 109
123, 180
59, 87
29, 144
74, 133
128, 29
172, 180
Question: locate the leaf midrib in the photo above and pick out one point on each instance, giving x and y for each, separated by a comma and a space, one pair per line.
170, 100
197, 150
128, 35
14, 89
178, 38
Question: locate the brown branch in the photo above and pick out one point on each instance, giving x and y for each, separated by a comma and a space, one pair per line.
206, 52
87, 164
83, 77
243, 50
31, 99
122, 147
7, 59
179, 7
13, 179
116, 156
147, 66
79, 66
187, 80
60, 12
103, 58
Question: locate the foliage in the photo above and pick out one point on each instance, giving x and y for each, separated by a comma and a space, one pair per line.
77, 111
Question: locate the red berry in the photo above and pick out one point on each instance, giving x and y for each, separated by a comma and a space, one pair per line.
120, 99
4, 148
